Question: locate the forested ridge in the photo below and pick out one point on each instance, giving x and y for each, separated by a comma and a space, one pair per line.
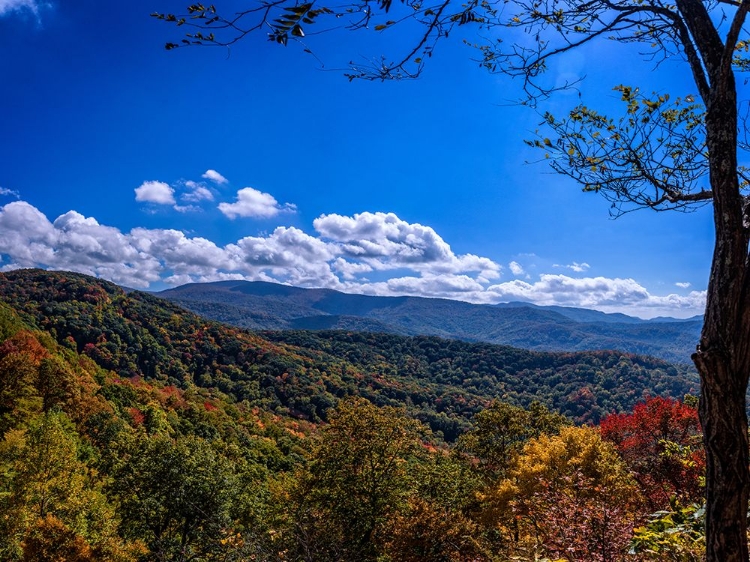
134, 430
270, 306
303, 374
584, 386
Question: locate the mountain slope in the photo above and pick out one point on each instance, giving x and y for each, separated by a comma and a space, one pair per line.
260, 305
303, 374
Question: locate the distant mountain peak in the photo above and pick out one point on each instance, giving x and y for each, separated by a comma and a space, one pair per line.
273, 306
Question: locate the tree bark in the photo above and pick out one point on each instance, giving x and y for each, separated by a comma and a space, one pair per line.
723, 357
722, 410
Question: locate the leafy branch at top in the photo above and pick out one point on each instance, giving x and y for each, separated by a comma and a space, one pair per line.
653, 156
550, 28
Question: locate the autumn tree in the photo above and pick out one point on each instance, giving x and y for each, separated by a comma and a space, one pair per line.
439, 523
501, 430
566, 495
660, 442
663, 154
20, 358
52, 500
49, 540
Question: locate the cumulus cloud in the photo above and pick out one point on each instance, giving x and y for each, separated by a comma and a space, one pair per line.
215, 177
72, 242
349, 270
370, 253
459, 287
381, 235
155, 192
682, 285
253, 203
289, 255
186, 208
196, 192
383, 241
516, 269
575, 266
600, 293
190, 193
145, 256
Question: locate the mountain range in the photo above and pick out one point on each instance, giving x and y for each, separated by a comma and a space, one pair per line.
269, 306
303, 374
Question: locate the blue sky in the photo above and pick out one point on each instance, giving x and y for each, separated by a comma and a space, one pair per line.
153, 168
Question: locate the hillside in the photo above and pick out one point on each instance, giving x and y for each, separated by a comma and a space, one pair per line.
99, 468
269, 306
303, 374
133, 431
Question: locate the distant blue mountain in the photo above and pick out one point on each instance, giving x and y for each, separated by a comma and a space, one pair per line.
588, 315
270, 306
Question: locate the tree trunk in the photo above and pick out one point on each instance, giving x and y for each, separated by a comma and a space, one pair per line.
722, 411
723, 357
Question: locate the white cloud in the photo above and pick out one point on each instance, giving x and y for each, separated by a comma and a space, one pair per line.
9, 193
197, 192
288, 255
461, 287
516, 269
9, 6
186, 208
385, 242
600, 293
682, 285
215, 177
197, 258
25, 234
348, 270
381, 235
72, 242
575, 266
192, 193
155, 192
370, 253
253, 203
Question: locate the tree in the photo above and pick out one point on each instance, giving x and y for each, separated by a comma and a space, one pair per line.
54, 501
51, 541
176, 496
361, 474
566, 495
501, 430
661, 154
658, 441
439, 522
20, 357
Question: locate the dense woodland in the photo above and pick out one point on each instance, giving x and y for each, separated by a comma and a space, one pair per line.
133, 430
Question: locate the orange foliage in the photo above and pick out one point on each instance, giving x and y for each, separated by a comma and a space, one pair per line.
137, 416
24, 342
49, 540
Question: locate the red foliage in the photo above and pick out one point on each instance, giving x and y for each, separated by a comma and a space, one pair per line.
137, 416
24, 342
661, 443
171, 397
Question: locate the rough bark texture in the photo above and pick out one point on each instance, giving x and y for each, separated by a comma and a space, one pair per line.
724, 421
723, 358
